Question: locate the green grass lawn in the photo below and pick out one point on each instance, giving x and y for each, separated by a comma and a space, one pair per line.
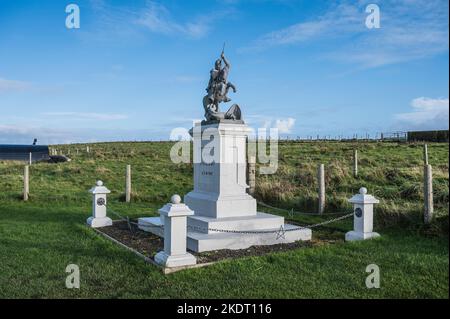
39, 238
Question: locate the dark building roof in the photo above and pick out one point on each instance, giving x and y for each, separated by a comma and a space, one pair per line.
22, 152
428, 136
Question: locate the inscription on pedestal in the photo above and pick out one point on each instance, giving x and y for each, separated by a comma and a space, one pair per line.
220, 172
206, 169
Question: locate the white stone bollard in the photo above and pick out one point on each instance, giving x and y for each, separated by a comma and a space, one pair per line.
99, 218
363, 216
175, 224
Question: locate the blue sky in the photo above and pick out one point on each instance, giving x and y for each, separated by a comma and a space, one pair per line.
135, 70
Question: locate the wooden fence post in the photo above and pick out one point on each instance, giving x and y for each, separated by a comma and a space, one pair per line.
425, 154
428, 193
128, 184
355, 163
26, 180
321, 181
252, 175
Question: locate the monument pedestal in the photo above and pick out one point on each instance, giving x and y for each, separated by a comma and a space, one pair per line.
220, 171
225, 216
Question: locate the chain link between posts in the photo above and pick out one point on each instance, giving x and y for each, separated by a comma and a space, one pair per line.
282, 229
292, 211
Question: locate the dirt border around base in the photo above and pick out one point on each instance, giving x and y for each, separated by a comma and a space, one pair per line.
145, 245
165, 270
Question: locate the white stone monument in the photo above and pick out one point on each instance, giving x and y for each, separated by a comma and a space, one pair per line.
363, 216
225, 215
174, 215
99, 218
220, 187
219, 198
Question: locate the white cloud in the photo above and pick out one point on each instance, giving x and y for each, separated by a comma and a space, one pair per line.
12, 85
285, 126
20, 134
157, 18
430, 105
410, 29
87, 116
128, 21
427, 114
337, 19
24, 134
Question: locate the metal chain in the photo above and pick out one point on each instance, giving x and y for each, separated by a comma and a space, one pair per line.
290, 211
206, 230
331, 220
127, 219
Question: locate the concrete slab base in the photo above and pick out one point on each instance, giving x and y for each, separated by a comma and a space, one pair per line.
152, 225
353, 235
215, 206
99, 222
200, 242
264, 230
260, 221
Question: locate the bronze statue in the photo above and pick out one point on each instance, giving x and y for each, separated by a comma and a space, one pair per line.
217, 90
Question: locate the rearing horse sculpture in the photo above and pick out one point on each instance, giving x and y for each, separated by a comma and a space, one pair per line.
217, 89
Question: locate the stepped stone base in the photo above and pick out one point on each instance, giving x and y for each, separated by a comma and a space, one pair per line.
259, 221
215, 206
200, 239
152, 225
200, 242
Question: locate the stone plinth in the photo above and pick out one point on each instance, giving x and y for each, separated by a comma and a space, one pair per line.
220, 187
363, 216
99, 218
174, 215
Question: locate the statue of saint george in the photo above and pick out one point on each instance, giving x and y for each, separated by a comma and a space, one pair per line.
217, 90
